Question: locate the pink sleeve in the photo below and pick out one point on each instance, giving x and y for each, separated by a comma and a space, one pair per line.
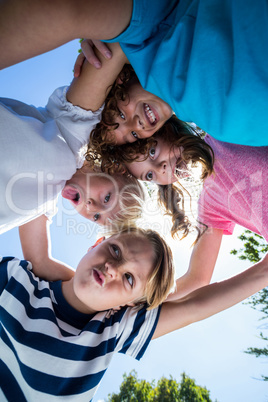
210, 214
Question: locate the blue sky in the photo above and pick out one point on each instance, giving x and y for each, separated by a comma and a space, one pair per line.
211, 351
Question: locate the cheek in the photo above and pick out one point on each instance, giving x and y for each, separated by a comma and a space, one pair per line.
118, 140
84, 212
136, 168
145, 134
115, 138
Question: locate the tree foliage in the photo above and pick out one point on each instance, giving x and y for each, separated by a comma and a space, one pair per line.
254, 248
166, 390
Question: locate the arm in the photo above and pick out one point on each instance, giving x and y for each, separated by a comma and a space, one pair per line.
30, 27
89, 90
35, 243
212, 299
202, 263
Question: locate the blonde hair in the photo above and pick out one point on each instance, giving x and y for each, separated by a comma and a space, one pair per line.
131, 200
161, 281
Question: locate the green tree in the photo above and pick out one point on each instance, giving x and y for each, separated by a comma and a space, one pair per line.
254, 248
166, 390
190, 392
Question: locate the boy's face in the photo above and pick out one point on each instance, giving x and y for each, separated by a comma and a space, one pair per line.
140, 115
114, 273
94, 195
160, 166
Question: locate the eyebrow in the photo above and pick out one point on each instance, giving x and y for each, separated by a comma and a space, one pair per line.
141, 176
121, 246
123, 252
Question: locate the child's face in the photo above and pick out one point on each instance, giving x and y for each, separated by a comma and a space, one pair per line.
94, 195
140, 115
161, 165
114, 273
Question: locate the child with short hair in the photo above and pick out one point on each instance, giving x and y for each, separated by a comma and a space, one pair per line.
68, 331
58, 338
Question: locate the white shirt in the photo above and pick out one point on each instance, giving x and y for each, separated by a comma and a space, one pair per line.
39, 151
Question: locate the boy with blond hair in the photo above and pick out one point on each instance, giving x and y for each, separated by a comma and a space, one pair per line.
58, 338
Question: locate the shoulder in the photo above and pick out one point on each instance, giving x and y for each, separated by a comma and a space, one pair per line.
11, 267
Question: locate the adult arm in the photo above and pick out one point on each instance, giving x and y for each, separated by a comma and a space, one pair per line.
35, 243
30, 27
211, 299
202, 263
90, 89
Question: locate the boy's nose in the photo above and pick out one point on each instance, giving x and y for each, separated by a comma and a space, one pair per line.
111, 270
94, 206
162, 167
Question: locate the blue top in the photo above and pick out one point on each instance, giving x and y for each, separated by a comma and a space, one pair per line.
208, 59
49, 350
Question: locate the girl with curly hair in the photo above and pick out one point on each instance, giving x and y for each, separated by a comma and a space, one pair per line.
130, 113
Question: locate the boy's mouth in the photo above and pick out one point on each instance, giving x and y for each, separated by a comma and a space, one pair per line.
72, 194
99, 277
150, 114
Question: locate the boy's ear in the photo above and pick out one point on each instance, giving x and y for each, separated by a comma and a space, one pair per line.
100, 240
119, 80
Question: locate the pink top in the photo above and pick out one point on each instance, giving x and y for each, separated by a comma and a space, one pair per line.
237, 193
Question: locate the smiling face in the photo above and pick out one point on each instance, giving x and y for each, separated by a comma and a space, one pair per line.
94, 195
140, 115
113, 273
161, 165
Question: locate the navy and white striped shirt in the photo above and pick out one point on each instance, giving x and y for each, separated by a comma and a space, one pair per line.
50, 351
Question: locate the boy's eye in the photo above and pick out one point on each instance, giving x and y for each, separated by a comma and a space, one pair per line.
135, 135
115, 251
107, 198
152, 152
96, 217
149, 176
129, 278
121, 114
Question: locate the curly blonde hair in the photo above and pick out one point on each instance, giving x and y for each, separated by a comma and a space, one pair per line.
131, 199
131, 196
